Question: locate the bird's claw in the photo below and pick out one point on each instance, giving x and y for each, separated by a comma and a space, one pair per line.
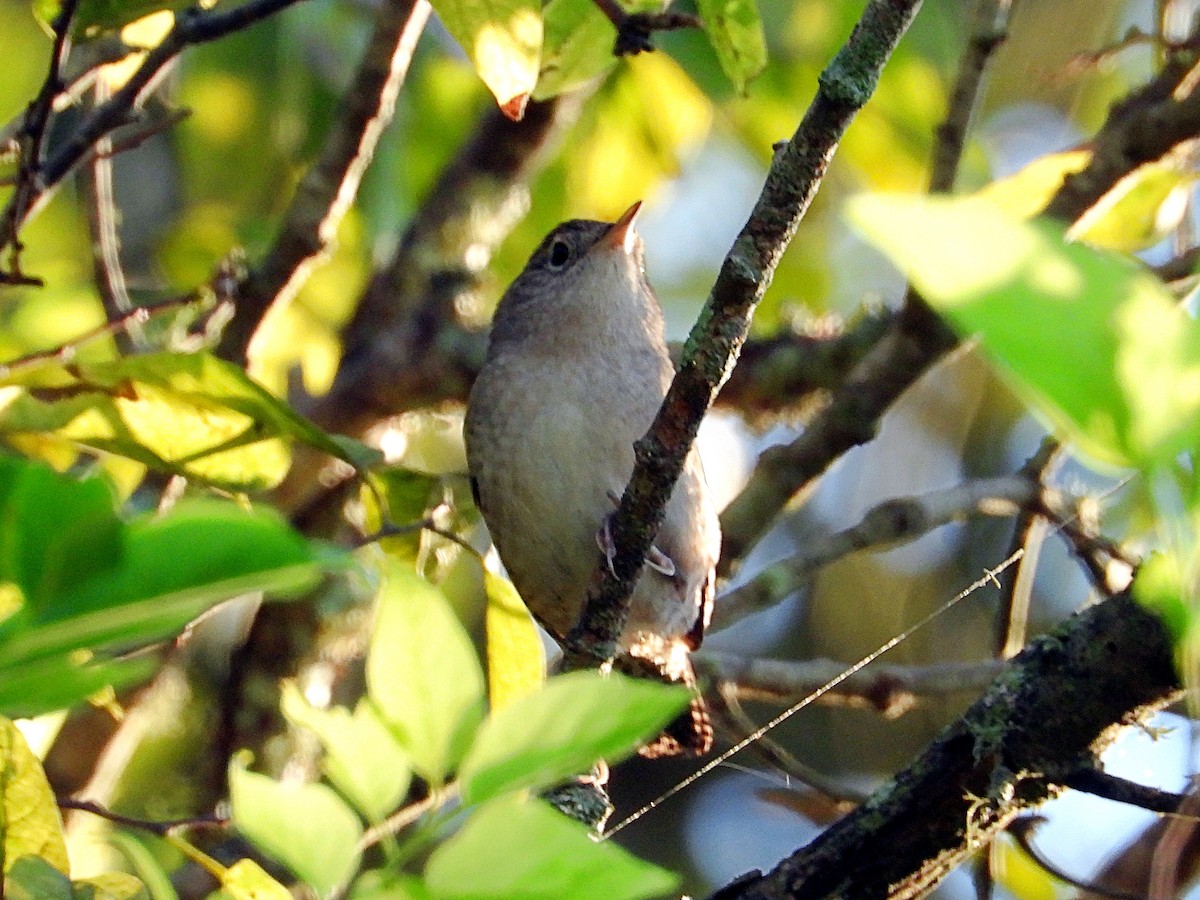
655, 558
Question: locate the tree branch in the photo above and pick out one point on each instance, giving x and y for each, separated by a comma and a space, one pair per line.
636, 30
331, 184
1016, 746
784, 371
30, 142
712, 347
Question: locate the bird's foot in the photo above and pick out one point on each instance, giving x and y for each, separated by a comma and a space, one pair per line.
655, 559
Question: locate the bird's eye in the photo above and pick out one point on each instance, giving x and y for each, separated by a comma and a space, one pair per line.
560, 254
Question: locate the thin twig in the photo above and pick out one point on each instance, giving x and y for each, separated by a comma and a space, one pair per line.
635, 30
725, 704
1099, 783
103, 216
892, 522
65, 353
712, 347
1012, 615
890, 690
161, 828
988, 31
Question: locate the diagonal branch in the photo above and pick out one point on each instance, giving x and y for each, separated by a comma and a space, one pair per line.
329, 187
713, 346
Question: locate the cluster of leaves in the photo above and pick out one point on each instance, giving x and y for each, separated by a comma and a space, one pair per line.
424, 716
83, 586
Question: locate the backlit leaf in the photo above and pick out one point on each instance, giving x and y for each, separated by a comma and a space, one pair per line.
1094, 343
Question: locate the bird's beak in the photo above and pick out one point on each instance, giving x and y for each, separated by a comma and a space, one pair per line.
621, 233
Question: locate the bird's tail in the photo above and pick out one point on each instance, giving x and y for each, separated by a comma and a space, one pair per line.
691, 733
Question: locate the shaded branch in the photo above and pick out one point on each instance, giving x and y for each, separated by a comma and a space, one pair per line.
331, 184
30, 142
713, 345
1098, 783
1062, 701
406, 345
989, 29
1141, 128
160, 828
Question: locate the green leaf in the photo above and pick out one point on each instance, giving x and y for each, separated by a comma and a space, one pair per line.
1093, 342
306, 827
1139, 210
363, 760
82, 584
30, 826
736, 32
32, 878
387, 885
579, 42
33, 687
564, 729
110, 886
423, 674
578, 45
520, 847
503, 39
184, 413
407, 495
515, 655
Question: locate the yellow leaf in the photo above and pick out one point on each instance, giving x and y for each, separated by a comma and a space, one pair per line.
1026, 192
246, 880
515, 655
503, 38
31, 826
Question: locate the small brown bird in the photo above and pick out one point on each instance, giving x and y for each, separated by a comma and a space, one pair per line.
576, 370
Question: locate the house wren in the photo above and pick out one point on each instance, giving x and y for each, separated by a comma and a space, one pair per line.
576, 370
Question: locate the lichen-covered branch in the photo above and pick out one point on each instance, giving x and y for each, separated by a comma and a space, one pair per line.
1059, 704
331, 184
